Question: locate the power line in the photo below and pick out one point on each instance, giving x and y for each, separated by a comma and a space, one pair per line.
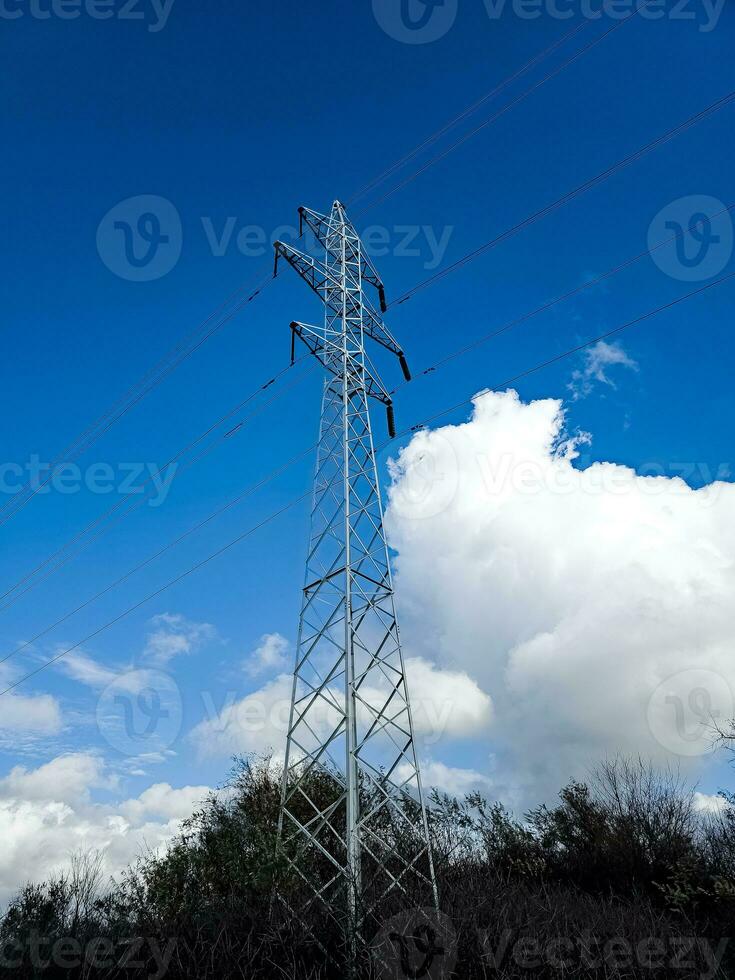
140, 501
574, 350
524, 95
445, 359
541, 56
85, 441
247, 492
161, 590
569, 196
479, 341
166, 365
407, 431
142, 388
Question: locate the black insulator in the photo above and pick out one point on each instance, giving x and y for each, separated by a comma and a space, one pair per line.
293, 344
404, 366
381, 297
301, 222
391, 421
276, 246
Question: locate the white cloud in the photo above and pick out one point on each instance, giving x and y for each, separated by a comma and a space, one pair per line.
162, 800
270, 654
256, 723
47, 814
174, 635
597, 363
25, 719
83, 668
65, 779
706, 803
594, 606
446, 704
448, 779
171, 635
37, 715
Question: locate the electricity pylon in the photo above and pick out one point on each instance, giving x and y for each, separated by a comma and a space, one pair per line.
353, 822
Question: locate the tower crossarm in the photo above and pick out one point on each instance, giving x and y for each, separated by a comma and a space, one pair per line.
319, 225
327, 352
322, 280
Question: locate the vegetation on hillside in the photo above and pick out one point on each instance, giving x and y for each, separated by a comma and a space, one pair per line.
622, 877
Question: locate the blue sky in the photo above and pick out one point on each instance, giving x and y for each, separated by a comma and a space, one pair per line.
247, 112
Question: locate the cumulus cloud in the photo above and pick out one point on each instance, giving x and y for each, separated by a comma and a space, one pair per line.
47, 814
65, 779
270, 654
256, 723
446, 704
595, 606
598, 360
25, 719
35, 715
449, 779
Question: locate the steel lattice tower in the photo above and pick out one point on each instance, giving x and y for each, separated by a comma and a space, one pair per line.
353, 822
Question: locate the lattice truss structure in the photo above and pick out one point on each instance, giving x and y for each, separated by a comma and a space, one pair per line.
353, 821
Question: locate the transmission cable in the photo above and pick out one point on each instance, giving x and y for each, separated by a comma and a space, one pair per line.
445, 359
116, 514
90, 436
501, 112
587, 284
430, 140
247, 492
166, 366
410, 429
569, 196
572, 351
